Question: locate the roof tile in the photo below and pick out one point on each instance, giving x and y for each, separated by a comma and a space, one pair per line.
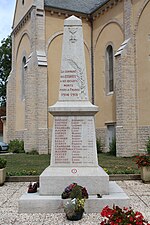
82, 6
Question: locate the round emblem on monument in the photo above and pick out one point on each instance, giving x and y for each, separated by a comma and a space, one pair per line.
74, 170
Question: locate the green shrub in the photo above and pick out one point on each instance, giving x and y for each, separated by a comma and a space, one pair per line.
33, 152
3, 163
23, 173
99, 144
16, 146
148, 146
112, 147
118, 170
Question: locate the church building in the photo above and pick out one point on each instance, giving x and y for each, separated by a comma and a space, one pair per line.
117, 52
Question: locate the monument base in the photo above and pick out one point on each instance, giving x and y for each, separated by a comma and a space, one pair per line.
54, 180
35, 203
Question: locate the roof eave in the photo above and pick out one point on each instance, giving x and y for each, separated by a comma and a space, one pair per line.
66, 11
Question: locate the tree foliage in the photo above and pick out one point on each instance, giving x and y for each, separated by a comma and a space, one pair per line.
5, 67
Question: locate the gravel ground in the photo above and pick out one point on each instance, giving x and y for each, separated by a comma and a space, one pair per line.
138, 192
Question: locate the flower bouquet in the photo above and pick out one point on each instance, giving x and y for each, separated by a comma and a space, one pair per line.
143, 160
74, 207
125, 216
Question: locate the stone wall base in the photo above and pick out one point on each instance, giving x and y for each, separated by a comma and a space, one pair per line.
143, 136
42, 144
19, 135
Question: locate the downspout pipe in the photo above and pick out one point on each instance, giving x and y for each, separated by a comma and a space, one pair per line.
92, 60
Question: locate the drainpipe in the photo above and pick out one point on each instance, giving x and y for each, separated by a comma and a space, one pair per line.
92, 59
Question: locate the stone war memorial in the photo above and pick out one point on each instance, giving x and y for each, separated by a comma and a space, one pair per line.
74, 153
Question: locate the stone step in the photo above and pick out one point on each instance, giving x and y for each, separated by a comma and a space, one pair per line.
35, 203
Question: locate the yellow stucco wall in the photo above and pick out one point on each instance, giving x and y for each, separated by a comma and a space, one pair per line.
54, 34
107, 30
143, 67
114, 14
137, 5
21, 10
23, 50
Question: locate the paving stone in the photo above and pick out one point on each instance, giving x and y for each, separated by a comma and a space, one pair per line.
138, 192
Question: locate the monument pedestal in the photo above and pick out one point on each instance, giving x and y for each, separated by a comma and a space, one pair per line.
74, 154
53, 180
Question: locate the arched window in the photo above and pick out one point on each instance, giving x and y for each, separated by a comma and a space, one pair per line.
22, 2
23, 78
109, 69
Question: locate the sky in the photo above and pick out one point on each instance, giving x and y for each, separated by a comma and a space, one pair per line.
7, 8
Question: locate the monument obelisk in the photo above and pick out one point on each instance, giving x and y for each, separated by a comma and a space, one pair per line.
74, 154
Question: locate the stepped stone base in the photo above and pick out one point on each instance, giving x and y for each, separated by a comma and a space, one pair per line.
35, 203
95, 179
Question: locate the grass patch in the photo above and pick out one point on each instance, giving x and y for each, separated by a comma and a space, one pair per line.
25, 164
117, 165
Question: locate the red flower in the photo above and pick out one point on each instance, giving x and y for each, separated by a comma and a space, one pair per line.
139, 215
104, 212
119, 220
131, 219
125, 208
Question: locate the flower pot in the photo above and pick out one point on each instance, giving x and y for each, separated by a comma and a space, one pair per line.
2, 176
145, 173
78, 216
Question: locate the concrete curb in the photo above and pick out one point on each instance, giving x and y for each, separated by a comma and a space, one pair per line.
114, 177
117, 177
22, 179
